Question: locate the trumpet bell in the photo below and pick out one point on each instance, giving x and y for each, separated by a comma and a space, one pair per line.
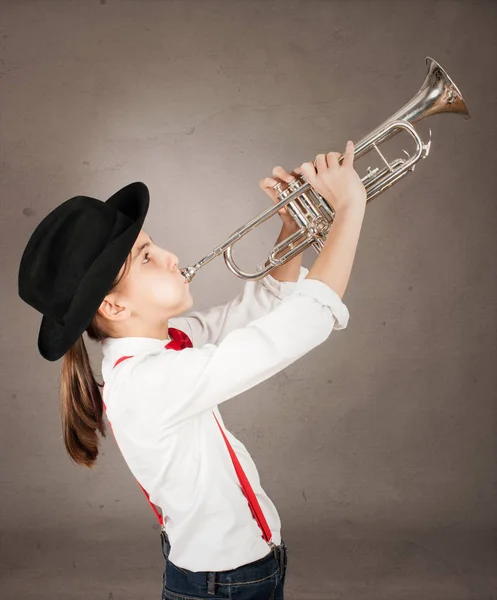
312, 213
438, 94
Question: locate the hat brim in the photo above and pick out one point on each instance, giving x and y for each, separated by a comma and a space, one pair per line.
54, 338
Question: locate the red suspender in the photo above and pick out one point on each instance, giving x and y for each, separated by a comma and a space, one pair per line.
160, 518
247, 490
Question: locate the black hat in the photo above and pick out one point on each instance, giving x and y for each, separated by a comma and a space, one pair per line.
72, 260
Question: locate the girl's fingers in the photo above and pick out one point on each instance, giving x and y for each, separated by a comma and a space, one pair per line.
321, 162
333, 158
280, 173
267, 184
280, 176
348, 160
309, 171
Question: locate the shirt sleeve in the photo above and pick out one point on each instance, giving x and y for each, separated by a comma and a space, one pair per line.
256, 299
170, 386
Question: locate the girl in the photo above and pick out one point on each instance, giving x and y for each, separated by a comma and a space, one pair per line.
90, 266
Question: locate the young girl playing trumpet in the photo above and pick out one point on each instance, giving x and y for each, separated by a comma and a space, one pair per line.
91, 266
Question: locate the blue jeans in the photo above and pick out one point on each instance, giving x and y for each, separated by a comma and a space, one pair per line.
262, 579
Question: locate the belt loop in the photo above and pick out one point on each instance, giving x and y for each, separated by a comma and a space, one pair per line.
211, 585
274, 548
163, 544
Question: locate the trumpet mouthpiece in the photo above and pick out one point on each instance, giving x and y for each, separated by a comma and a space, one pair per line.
188, 273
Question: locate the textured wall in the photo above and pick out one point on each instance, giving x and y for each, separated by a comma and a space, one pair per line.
378, 448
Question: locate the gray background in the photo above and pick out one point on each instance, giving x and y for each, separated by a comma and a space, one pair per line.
378, 448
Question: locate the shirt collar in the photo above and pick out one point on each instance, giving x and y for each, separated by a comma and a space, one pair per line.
114, 348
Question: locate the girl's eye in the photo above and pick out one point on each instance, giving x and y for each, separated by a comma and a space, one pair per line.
146, 254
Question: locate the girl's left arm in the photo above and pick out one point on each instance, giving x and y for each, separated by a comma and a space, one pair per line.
289, 271
255, 300
258, 297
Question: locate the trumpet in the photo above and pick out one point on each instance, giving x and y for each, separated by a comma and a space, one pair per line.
313, 214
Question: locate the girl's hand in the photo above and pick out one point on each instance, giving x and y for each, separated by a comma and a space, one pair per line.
267, 184
338, 183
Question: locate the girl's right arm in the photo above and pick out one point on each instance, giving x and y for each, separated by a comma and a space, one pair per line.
342, 187
334, 263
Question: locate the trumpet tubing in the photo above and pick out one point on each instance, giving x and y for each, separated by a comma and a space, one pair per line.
313, 214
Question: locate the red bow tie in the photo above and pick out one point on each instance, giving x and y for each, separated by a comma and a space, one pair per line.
179, 340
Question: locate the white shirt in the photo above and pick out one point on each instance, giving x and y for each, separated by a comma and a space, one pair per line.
161, 402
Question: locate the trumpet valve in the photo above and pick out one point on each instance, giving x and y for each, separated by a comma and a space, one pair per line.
370, 173
318, 227
294, 184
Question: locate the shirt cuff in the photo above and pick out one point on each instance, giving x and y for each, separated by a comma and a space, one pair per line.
322, 292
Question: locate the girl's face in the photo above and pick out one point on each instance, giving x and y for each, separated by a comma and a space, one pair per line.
152, 291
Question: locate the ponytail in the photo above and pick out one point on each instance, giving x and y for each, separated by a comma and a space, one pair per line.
81, 404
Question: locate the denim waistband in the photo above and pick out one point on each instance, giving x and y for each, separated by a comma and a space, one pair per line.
263, 567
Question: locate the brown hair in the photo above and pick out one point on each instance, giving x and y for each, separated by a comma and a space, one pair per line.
81, 404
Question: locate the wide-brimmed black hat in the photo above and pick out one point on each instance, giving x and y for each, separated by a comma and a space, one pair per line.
72, 259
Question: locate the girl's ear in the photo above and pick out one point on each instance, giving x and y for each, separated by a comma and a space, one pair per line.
111, 309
